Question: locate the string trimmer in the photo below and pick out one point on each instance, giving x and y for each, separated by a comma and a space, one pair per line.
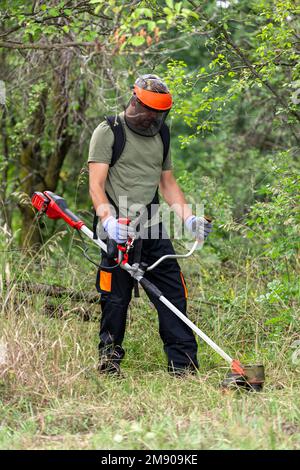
55, 207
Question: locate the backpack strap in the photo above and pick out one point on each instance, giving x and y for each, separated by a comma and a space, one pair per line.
165, 137
117, 128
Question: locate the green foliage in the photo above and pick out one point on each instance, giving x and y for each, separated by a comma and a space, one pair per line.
277, 218
234, 76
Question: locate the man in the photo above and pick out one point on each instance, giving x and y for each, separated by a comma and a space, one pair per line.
144, 164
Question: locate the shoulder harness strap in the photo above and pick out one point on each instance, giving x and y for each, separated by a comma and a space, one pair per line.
116, 126
165, 137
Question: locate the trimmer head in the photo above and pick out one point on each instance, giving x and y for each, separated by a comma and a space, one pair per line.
252, 379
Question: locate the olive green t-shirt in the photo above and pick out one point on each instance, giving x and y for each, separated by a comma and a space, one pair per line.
137, 172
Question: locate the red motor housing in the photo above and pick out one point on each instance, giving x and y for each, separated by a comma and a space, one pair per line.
55, 207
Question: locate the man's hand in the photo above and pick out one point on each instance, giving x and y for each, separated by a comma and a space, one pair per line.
118, 231
198, 226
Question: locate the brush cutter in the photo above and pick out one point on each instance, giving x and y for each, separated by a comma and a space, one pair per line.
55, 207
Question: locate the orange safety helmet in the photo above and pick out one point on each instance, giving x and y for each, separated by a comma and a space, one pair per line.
150, 105
153, 92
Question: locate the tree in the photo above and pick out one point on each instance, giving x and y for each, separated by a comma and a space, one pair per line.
60, 56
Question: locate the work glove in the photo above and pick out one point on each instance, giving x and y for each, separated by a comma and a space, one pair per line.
118, 231
198, 226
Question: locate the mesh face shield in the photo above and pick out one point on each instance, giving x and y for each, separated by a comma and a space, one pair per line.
145, 121
149, 107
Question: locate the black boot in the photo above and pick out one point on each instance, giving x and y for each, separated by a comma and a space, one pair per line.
110, 359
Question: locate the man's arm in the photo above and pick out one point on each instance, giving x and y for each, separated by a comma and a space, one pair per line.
173, 195
117, 230
97, 177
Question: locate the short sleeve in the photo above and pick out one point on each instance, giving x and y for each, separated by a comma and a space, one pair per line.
101, 143
167, 165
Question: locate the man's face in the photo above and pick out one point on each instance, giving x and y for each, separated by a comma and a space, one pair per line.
144, 120
146, 116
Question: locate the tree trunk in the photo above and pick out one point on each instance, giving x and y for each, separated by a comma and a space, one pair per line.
36, 177
30, 176
63, 138
5, 212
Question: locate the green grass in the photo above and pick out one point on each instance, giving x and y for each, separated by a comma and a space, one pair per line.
53, 398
